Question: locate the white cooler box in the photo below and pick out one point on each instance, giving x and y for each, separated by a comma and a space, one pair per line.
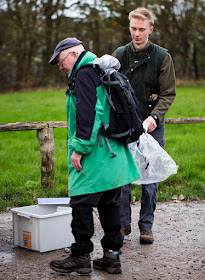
42, 227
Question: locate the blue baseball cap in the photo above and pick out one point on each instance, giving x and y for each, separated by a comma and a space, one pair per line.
63, 45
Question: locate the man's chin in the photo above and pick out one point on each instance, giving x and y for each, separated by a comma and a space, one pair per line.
138, 42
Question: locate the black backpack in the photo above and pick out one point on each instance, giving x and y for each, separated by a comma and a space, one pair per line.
125, 119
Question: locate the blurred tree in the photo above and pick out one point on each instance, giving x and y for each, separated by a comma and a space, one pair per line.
181, 28
119, 11
19, 39
51, 11
30, 30
28, 36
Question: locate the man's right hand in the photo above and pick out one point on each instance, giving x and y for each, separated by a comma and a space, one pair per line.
75, 161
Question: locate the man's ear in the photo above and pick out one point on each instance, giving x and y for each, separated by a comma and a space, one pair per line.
151, 29
75, 54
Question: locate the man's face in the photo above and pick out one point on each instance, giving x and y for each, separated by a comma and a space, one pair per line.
66, 61
140, 30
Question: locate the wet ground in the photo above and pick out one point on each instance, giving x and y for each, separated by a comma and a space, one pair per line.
178, 251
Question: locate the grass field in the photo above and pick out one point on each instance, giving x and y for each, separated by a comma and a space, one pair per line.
20, 157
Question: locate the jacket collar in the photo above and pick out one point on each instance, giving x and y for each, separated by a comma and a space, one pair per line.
139, 53
73, 70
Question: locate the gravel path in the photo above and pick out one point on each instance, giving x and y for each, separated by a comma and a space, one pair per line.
178, 251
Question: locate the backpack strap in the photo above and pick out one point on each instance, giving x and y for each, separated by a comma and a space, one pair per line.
113, 154
71, 83
84, 66
100, 139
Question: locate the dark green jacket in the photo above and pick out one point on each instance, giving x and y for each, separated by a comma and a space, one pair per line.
151, 74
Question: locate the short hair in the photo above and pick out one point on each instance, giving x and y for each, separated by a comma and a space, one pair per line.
142, 13
79, 48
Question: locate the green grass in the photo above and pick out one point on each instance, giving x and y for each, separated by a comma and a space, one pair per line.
19, 151
20, 157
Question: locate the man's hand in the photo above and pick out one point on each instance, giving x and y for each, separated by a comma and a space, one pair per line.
151, 124
75, 161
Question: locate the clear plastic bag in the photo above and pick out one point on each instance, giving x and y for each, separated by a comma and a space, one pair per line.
153, 162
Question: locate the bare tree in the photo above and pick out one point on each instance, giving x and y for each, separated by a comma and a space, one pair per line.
30, 30
181, 28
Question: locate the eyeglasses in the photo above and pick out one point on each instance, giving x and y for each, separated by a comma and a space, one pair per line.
62, 61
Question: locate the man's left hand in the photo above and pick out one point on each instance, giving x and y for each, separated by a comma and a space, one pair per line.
151, 124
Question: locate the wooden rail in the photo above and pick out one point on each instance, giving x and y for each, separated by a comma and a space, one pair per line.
45, 137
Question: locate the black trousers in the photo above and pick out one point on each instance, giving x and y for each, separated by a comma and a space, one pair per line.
82, 225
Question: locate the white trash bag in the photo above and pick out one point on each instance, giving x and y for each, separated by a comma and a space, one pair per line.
153, 162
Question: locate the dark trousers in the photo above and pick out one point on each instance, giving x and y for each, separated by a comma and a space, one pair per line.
125, 208
148, 196
82, 225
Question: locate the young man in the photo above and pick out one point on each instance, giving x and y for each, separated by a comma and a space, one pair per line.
94, 177
150, 70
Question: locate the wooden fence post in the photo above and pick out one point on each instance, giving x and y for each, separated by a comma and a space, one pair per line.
47, 155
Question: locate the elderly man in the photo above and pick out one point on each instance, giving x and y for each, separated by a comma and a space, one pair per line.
94, 177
